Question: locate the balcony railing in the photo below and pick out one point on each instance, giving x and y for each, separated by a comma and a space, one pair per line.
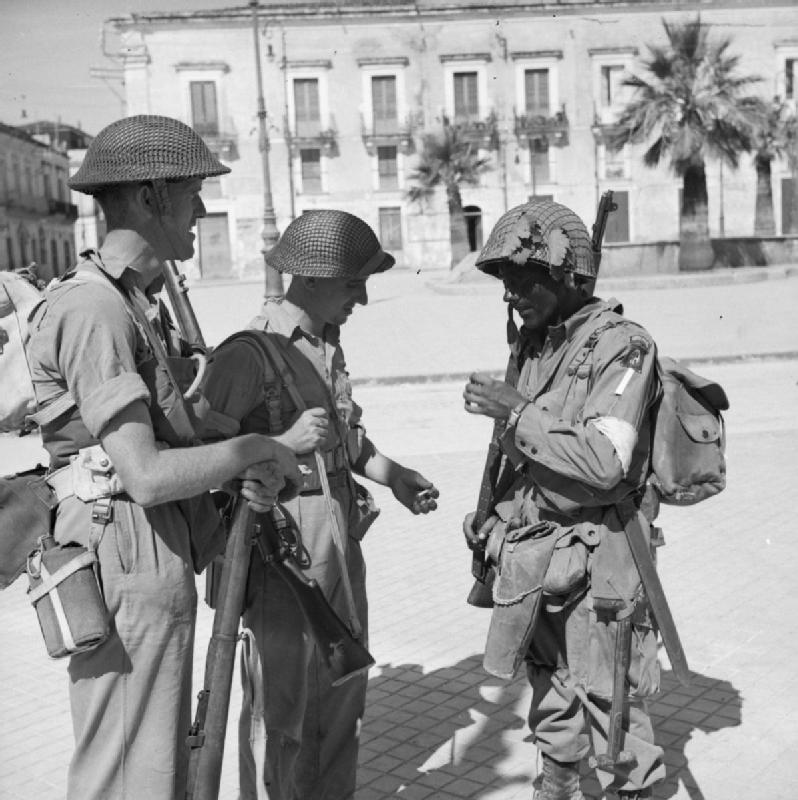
482, 132
309, 134
539, 127
62, 208
605, 132
387, 133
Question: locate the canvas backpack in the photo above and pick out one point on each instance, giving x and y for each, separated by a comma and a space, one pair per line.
688, 441
18, 298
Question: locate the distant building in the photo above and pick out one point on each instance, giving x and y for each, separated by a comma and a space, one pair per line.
350, 87
36, 215
90, 223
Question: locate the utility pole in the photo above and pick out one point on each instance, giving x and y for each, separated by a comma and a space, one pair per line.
273, 289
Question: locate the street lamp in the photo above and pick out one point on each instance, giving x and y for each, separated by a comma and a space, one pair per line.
273, 279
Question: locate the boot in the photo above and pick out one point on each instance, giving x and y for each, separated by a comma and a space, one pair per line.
558, 781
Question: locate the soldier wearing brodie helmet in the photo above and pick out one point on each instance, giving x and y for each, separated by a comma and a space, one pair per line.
109, 379
300, 392
575, 435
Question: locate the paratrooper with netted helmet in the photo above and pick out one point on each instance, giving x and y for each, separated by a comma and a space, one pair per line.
131, 485
330, 255
573, 423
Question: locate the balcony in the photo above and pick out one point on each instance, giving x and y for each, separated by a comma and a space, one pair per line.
538, 127
387, 133
221, 142
62, 208
605, 132
309, 134
481, 132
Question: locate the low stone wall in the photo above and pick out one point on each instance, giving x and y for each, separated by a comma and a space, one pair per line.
662, 258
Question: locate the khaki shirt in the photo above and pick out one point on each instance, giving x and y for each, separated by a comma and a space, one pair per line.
583, 441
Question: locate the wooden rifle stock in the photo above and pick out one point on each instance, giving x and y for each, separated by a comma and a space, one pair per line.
207, 734
175, 284
344, 656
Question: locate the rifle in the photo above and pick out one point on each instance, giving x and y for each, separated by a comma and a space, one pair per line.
484, 572
344, 655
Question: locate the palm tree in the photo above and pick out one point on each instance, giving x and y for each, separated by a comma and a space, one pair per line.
449, 160
776, 136
692, 103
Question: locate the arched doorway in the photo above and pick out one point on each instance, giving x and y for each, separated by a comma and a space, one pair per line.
473, 218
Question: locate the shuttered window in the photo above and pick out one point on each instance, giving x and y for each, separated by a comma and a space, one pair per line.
383, 103
310, 162
204, 112
387, 167
617, 229
466, 96
391, 228
306, 106
536, 89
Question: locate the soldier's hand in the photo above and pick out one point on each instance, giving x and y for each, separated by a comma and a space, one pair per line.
414, 491
261, 483
489, 397
308, 432
478, 539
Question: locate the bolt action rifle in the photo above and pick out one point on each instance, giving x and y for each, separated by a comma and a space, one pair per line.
497, 474
344, 656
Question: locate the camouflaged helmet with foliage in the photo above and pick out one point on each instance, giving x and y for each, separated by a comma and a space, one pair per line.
539, 232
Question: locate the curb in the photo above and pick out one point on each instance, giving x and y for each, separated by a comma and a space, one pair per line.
475, 283
462, 377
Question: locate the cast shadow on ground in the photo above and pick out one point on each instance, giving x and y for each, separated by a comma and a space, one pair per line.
453, 733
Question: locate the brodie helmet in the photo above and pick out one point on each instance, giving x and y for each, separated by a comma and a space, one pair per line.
325, 243
144, 148
539, 232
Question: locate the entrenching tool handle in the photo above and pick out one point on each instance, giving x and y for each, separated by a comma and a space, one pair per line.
206, 738
615, 758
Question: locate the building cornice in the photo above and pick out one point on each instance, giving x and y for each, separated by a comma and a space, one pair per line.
209, 66
523, 55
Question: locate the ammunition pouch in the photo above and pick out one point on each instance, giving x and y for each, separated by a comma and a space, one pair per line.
568, 568
525, 556
364, 512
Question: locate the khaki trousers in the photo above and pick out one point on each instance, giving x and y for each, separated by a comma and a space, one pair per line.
131, 697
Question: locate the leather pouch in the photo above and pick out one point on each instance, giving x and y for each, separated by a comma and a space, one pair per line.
517, 594
364, 512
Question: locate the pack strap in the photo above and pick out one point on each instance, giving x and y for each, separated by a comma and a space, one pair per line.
279, 363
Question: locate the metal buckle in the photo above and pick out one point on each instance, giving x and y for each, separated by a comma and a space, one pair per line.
102, 511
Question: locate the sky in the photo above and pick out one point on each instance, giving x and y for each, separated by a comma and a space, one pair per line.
47, 48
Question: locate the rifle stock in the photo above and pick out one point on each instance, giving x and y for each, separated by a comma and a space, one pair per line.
344, 656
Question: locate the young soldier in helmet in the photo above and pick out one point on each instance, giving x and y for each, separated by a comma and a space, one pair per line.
311, 727
577, 447
127, 480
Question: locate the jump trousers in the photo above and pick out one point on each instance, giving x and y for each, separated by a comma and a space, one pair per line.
570, 666
131, 697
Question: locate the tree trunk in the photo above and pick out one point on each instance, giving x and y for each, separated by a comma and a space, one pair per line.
695, 247
458, 229
764, 220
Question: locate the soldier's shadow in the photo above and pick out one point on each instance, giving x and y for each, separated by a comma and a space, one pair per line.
440, 734
450, 732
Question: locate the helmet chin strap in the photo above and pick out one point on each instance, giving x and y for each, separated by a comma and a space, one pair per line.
163, 206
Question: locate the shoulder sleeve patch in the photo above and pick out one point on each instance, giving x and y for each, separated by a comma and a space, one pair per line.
635, 353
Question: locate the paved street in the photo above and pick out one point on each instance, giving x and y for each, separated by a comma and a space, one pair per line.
437, 725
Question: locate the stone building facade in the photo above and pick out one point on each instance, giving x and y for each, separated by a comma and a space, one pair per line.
351, 85
36, 213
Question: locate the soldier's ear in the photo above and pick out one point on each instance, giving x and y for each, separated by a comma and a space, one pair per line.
309, 281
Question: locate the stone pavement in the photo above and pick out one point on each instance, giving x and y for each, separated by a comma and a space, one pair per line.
437, 725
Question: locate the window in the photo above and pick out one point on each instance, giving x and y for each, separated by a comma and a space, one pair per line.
613, 164
16, 183
204, 111
611, 77
48, 186
536, 92
54, 256
310, 170
3, 179
789, 206
28, 179
10, 252
790, 75
387, 167
67, 255
466, 97
383, 103
23, 246
306, 106
539, 161
617, 229
42, 246
391, 228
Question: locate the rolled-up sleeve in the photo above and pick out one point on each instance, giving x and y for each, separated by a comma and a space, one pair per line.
94, 340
